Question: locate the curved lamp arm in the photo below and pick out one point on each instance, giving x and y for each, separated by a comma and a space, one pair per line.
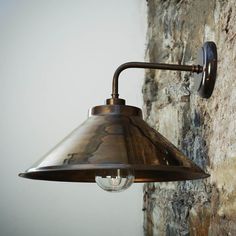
146, 65
204, 83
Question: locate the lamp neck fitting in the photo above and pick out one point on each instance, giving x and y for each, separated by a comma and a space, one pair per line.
115, 101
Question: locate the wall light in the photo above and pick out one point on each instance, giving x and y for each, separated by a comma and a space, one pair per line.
116, 147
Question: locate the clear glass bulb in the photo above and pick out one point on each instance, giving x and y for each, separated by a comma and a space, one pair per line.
116, 181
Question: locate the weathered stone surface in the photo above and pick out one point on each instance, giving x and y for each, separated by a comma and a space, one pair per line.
203, 129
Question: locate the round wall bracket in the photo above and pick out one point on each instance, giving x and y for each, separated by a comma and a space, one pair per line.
204, 82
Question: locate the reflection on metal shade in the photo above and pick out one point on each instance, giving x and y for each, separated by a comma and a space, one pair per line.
114, 137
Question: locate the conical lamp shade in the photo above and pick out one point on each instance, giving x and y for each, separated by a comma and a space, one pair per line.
115, 137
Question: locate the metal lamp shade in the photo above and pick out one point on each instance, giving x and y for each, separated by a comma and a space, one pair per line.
114, 137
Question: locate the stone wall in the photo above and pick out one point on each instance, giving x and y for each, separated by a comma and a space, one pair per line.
205, 130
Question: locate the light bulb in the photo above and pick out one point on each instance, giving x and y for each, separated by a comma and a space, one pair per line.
115, 180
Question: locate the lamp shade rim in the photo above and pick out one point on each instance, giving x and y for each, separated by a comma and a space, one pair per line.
113, 166
87, 173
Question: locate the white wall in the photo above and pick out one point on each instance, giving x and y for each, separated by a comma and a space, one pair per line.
57, 59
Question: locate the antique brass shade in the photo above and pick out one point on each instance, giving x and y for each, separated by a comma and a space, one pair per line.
115, 137
115, 141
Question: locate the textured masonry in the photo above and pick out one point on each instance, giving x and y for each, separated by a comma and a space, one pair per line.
205, 130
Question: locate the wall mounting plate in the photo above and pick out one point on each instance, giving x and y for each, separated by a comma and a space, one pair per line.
204, 82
